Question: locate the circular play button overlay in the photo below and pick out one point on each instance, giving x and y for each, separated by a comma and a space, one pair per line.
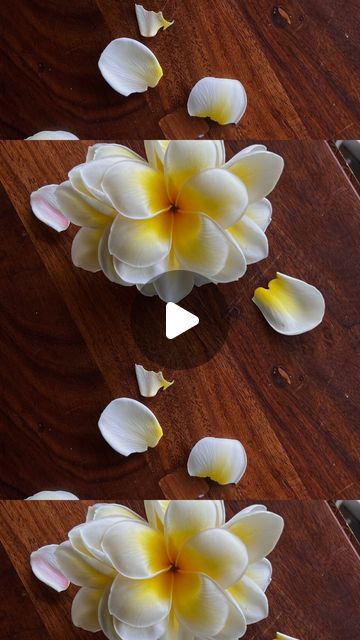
182, 335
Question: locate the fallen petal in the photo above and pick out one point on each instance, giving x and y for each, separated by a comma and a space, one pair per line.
53, 135
45, 567
53, 495
220, 99
221, 459
150, 21
290, 306
45, 207
129, 66
282, 636
150, 381
128, 426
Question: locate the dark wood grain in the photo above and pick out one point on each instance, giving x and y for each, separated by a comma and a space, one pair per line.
313, 594
301, 72
69, 348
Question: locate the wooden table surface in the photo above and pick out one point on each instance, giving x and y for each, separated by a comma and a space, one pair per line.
70, 338
298, 60
313, 594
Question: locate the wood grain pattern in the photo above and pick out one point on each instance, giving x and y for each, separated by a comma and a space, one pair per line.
69, 349
299, 64
314, 592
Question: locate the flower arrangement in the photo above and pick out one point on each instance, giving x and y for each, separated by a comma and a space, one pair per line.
181, 217
182, 574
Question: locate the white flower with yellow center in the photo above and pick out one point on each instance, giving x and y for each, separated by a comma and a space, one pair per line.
183, 217
183, 574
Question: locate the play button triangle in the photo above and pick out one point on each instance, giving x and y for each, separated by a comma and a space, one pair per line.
178, 320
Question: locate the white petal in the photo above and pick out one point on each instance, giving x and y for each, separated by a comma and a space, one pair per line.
85, 249
53, 135
290, 306
216, 553
221, 459
155, 152
92, 174
282, 636
126, 632
155, 512
235, 625
259, 171
107, 260
141, 243
140, 275
216, 193
221, 153
235, 265
117, 151
136, 550
98, 202
92, 534
174, 286
53, 495
81, 569
150, 21
258, 530
74, 206
200, 604
260, 572
150, 381
251, 599
44, 565
251, 240
105, 510
135, 189
106, 620
129, 66
46, 208
185, 518
200, 245
252, 148
141, 603
186, 158
260, 212
220, 99
84, 609
147, 289
129, 427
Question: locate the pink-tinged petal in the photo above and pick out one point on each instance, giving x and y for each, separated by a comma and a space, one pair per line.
45, 567
45, 207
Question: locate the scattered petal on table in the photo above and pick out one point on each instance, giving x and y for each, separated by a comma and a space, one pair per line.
221, 99
150, 21
150, 381
129, 66
128, 426
221, 459
290, 306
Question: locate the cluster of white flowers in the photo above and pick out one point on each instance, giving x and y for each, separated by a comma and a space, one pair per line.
182, 217
182, 574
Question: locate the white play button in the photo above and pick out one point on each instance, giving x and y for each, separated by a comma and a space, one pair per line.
178, 320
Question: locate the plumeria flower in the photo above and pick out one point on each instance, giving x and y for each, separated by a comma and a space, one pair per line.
181, 217
182, 574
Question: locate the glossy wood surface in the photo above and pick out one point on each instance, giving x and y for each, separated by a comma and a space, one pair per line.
69, 341
299, 62
313, 594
